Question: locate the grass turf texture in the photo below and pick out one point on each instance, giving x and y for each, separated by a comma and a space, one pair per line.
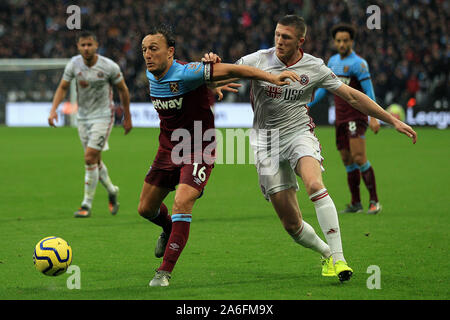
237, 248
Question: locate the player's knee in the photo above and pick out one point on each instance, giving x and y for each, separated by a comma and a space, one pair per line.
359, 158
314, 186
182, 204
346, 158
146, 211
292, 227
91, 158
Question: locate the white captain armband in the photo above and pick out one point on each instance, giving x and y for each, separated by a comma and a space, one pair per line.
207, 72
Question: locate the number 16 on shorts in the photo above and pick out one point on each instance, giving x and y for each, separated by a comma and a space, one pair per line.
199, 173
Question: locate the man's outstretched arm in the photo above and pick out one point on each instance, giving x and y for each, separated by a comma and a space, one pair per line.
363, 103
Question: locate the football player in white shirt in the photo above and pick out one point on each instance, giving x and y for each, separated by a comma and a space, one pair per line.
95, 75
282, 112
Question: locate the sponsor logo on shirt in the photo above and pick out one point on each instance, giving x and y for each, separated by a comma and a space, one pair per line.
345, 80
159, 104
283, 93
273, 92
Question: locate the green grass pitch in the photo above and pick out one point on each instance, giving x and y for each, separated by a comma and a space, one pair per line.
237, 248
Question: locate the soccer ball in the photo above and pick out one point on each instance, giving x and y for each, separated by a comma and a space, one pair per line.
397, 111
52, 256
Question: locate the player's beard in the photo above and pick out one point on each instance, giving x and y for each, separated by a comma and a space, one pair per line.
158, 72
89, 57
346, 52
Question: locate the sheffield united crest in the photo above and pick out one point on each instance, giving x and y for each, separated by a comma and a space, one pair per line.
304, 79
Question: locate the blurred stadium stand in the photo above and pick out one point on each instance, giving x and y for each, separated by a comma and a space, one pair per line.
408, 56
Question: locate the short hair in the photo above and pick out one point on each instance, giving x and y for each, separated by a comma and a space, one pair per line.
86, 34
344, 27
166, 32
297, 22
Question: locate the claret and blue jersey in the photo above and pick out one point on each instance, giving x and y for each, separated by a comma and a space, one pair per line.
181, 78
182, 99
353, 71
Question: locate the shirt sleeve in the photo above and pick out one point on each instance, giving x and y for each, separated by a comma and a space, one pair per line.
368, 88
328, 80
318, 95
196, 73
252, 60
116, 75
68, 74
361, 70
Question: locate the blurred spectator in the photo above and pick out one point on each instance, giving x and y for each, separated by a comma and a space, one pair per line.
408, 56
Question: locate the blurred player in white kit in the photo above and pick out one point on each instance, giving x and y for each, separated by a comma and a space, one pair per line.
95, 75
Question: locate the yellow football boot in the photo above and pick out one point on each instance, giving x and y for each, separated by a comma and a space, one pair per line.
328, 267
343, 271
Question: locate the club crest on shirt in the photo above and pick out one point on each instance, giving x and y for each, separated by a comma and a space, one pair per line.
100, 74
304, 79
363, 67
174, 88
346, 68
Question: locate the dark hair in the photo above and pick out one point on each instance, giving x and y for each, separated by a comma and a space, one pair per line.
86, 34
344, 27
166, 32
295, 21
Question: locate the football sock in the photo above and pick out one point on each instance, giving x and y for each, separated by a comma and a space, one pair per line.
354, 180
105, 179
90, 184
328, 221
177, 240
368, 176
308, 238
163, 219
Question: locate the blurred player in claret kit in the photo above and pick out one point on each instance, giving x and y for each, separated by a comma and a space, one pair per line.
95, 75
351, 124
180, 95
283, 112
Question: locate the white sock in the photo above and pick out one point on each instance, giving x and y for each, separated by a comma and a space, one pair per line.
105, 179
90, 184
307, 237
328, 221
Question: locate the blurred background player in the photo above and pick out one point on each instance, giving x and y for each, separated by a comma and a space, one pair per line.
183, 101
351, 124
95, 75
284, 113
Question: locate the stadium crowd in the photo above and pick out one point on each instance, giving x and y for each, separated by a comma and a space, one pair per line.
408, 56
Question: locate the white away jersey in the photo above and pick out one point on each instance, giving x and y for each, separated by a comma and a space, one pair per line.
94, 86
284, 108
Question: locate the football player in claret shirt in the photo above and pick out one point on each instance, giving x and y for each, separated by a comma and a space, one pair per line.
351, 124
180, 95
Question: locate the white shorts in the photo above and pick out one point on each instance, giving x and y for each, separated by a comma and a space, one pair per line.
276, 171
95, 134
